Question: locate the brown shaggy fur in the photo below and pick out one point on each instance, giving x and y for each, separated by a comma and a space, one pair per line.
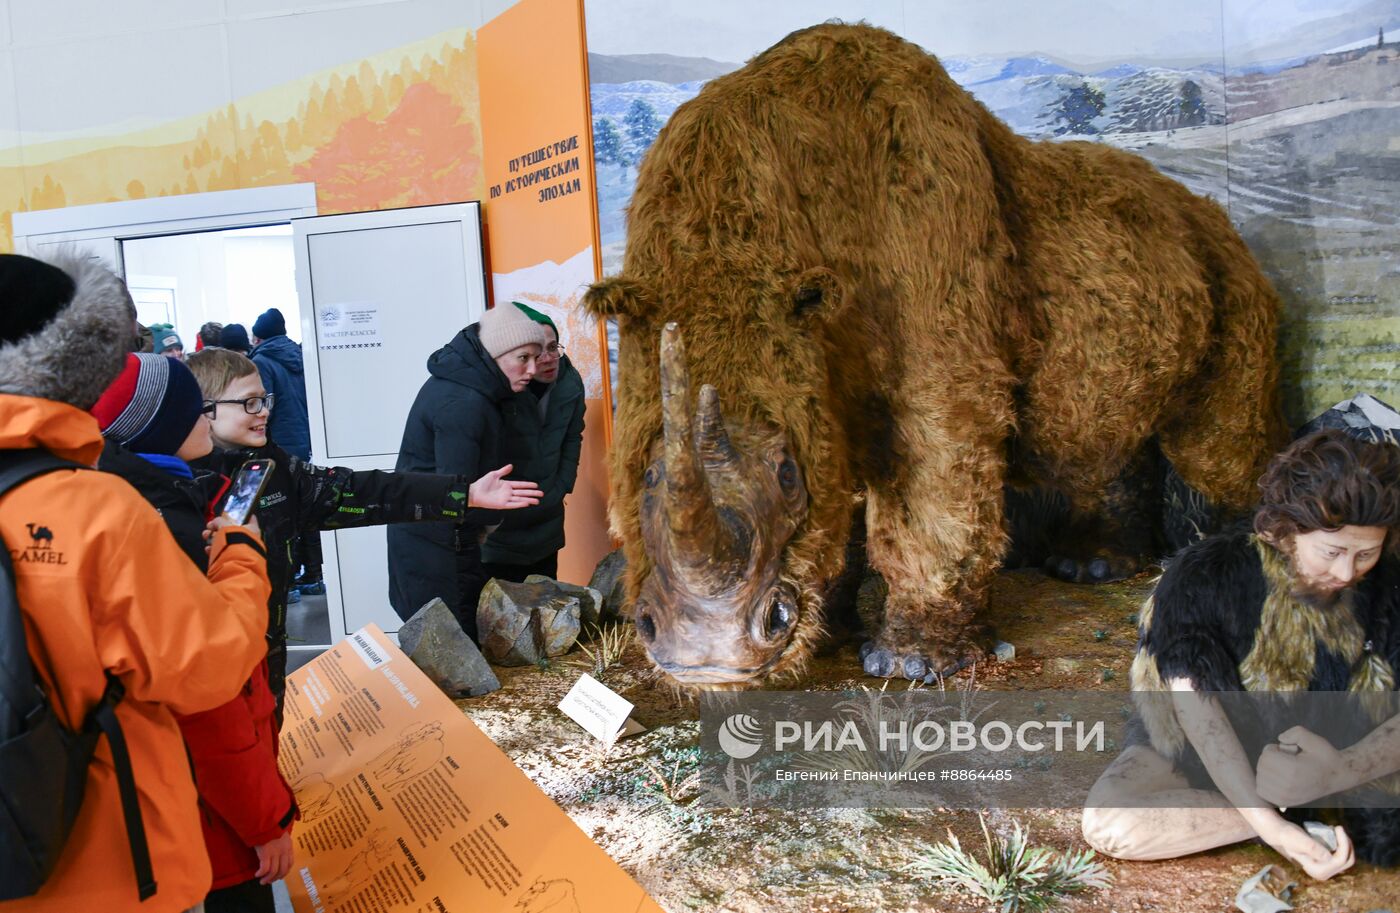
983, 296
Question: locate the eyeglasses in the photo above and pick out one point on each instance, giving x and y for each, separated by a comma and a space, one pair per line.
554, 350
252, 405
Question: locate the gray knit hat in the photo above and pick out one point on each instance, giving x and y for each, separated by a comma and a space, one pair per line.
506, 328
65, 337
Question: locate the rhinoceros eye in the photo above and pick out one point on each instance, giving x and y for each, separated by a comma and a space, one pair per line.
781, 614
787, 476
646, 625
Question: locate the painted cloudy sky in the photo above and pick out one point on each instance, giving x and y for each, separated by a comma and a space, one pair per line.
1087, 33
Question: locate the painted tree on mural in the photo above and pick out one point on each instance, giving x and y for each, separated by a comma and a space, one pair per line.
607, 143
48, 195
1193, 106
1077, 110
643, 125
419, 154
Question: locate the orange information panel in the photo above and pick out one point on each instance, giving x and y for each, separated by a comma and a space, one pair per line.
408, 806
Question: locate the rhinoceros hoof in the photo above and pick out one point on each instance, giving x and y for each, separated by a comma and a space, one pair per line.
1096, 569
883, 663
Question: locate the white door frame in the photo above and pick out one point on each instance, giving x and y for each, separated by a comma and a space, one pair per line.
303, 230
102, 227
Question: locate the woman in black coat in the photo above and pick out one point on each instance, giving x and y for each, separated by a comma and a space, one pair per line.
455, 427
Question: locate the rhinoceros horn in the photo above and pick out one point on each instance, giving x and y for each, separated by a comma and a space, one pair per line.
702, 543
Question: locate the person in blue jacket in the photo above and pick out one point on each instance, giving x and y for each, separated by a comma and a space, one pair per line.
280, 365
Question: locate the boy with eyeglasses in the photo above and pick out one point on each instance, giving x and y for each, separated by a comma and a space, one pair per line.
301, 496
155, 425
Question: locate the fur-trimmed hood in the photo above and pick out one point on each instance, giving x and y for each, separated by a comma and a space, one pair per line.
78, 353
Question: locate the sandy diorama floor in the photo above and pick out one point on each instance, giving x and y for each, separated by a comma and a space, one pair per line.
634, 801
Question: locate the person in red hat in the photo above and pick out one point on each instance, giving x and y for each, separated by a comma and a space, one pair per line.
155, 421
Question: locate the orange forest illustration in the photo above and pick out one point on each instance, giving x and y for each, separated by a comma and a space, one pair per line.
382, 137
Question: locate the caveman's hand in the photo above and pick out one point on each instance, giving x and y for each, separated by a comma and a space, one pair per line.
1298, 845
494, 492
1303, 766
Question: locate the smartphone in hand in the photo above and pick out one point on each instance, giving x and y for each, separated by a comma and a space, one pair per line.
246, 488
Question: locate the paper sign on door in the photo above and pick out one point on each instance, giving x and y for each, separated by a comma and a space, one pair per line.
348, 325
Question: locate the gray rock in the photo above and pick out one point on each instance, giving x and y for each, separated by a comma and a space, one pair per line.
1004, 652
438, 645
557, 623
521, 624
609, 578
1322, 833
503, 622
590, 602
1267, 891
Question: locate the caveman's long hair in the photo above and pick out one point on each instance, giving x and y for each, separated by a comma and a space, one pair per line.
1328, 480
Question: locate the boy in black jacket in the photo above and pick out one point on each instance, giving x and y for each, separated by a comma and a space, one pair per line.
300, 496
155, 425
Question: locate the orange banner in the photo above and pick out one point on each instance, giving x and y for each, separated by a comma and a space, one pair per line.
534, 124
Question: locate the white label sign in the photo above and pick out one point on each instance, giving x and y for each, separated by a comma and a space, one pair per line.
599, 710
348, 325
369, 650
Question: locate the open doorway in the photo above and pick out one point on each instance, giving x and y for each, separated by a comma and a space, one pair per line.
409, 279
226, 277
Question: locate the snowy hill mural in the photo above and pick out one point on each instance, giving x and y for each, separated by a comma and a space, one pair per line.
1034, 95
1291, 128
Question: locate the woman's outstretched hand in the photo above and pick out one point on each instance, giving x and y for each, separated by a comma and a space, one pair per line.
494, 491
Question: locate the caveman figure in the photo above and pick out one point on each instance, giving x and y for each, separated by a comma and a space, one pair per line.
1308, 600
846, 281
360, 869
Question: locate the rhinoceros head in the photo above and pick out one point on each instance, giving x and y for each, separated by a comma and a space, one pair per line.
716, 512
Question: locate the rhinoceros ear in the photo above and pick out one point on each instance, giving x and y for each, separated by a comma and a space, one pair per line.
816, 295
616, 296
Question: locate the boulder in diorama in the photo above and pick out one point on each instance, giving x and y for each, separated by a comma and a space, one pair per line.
610, 579
521, 624
436, 643
557, 623
590, 601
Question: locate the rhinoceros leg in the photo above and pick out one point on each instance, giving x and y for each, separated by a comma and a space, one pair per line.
1120, 533
937, 539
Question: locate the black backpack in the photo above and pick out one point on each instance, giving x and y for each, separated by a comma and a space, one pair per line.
43, 764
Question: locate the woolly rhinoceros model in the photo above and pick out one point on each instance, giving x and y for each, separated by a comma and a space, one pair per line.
885, 294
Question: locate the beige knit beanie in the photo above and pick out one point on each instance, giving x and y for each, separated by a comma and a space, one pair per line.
506, 328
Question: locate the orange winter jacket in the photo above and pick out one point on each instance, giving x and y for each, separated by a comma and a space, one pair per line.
103, 586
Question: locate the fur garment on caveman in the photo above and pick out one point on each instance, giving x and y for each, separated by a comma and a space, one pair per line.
1224, 616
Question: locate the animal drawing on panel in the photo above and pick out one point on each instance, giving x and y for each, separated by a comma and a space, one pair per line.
846, 282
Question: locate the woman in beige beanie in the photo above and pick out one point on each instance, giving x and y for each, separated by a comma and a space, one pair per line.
455, 427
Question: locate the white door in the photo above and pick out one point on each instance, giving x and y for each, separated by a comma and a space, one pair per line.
380, 292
